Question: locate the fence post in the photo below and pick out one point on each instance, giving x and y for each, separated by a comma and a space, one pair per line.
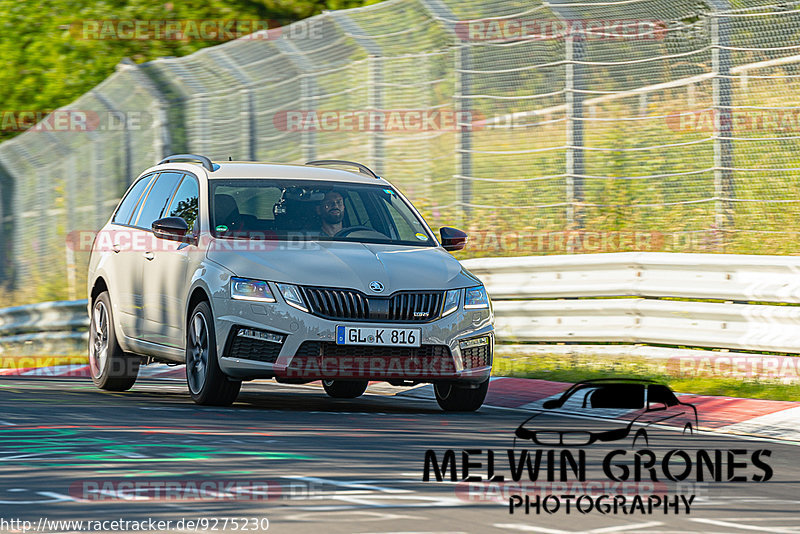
463, 90
377, 143
308, 137
723, 124
351, 28
70, 200
574, 47
6, 220
161, 139
247, 140
441, 12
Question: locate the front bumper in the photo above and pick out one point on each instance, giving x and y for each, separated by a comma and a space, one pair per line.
307, 349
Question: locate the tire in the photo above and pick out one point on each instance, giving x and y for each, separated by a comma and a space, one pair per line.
208, 385
454, 398
112, 369
345, 389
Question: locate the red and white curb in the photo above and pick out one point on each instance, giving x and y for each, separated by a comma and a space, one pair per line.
730, 415
82, 371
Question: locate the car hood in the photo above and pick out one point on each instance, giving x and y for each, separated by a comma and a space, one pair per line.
346, 265
595, 425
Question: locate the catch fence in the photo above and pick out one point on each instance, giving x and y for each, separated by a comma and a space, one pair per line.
565, 121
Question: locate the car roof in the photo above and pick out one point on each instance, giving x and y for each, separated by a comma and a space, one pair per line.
251, 170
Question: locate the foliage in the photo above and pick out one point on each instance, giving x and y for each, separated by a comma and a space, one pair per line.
47, 63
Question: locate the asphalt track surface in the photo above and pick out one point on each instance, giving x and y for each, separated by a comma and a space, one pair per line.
331, 465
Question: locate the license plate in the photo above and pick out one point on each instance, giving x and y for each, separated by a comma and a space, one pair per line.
385, 337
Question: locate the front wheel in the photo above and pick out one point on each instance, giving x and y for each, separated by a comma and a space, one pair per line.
112, 369
344, 389
207, 383
455, 398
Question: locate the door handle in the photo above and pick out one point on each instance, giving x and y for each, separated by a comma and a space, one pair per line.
149, 256
116, 248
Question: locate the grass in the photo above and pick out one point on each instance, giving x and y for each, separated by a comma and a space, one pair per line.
574, 368
558, 369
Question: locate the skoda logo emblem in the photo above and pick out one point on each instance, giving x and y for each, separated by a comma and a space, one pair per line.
376, 286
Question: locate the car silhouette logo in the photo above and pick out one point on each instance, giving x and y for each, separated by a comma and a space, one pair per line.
376, 286
644, 405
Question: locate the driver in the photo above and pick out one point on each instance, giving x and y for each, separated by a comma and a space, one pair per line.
331, 211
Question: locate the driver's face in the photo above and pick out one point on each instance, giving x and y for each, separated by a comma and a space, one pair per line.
332, 208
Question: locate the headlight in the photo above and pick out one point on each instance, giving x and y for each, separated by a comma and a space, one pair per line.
244, 289
291, 294
451, 300
476, 298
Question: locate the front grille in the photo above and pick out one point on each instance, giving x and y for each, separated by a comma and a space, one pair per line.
475, 357
351, 305
410, 307
337, 303
252, 349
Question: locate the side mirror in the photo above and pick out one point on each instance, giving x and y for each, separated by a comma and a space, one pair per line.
452, 239
174, 228
656, 406
552, 404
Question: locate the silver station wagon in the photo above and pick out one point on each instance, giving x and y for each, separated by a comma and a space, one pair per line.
322, 271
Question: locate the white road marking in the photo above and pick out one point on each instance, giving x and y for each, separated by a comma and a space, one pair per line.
53, 497
350, 517
758, 528
604, 530
348, 484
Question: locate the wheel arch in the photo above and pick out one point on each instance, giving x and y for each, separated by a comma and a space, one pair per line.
98, 287
198, 295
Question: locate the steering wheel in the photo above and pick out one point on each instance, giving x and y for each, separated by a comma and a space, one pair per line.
344, 232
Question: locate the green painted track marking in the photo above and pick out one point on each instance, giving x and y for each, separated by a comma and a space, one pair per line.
70, 449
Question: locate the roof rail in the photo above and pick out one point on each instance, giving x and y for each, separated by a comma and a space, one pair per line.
363, 168
206, 162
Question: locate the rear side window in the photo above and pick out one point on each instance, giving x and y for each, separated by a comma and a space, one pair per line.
185, 204
158, 198
129, 203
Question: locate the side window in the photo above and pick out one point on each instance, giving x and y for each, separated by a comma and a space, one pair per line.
157, 199
131, 200
405, 228
185, 203
657, 393
354, 208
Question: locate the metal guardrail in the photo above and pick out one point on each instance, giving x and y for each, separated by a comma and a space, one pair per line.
692, 300
44, 328
696, 300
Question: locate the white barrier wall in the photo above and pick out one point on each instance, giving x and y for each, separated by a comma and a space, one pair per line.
725, 301
690, 300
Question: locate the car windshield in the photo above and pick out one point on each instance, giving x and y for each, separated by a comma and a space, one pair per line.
313, 210
608, 396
